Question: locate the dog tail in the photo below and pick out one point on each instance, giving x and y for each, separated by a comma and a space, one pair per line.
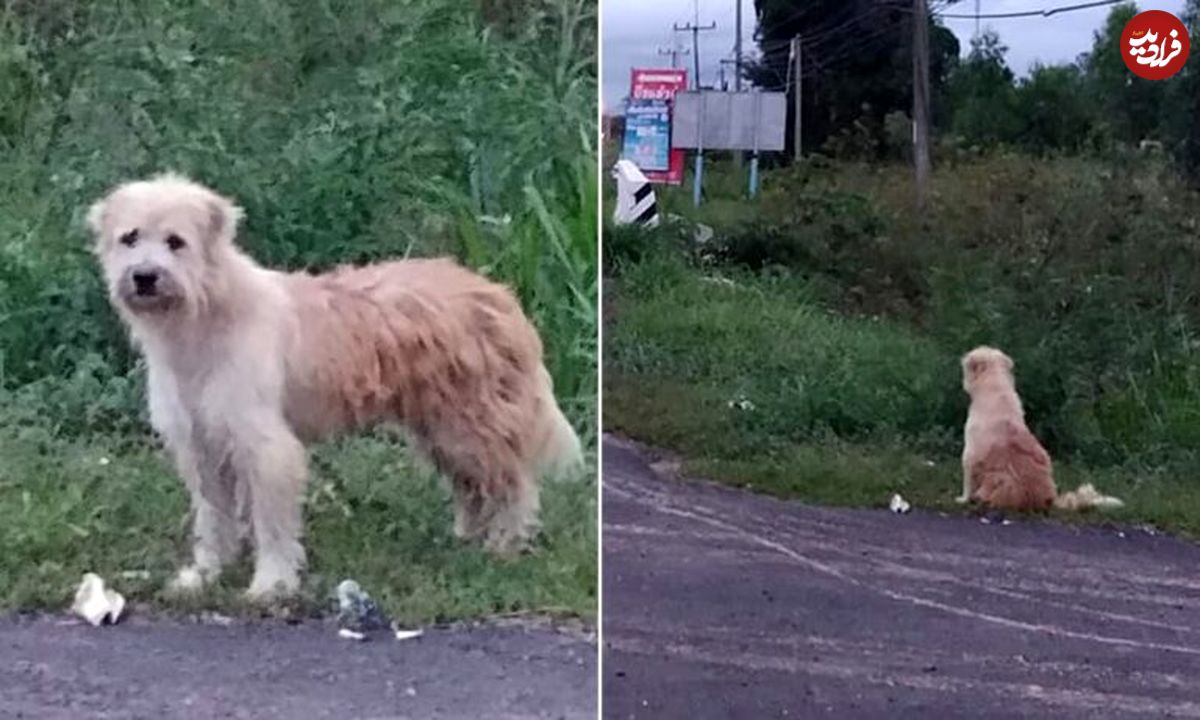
560, 454
1086, 497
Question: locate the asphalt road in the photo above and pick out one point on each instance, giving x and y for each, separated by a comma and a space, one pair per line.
724, 604
55, 668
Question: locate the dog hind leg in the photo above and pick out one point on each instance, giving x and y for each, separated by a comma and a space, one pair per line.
495, 500
468, 508
511, 514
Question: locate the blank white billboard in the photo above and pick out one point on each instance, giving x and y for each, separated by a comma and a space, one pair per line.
729, 120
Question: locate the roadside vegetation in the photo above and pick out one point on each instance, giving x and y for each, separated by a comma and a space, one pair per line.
810, 349
349, 132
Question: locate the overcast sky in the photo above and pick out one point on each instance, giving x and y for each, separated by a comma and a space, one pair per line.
635, 30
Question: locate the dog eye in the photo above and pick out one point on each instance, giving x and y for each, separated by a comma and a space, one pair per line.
130, 238
175, 242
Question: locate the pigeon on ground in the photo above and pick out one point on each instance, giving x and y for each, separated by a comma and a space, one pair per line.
356, 610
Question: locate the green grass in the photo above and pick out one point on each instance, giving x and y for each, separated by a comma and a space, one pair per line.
349, 132
844, 410
112, 506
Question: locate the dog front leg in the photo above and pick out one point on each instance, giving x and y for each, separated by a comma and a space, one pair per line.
215, 537
272, 463
966, 489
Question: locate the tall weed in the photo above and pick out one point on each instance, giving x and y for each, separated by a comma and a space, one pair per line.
349, 132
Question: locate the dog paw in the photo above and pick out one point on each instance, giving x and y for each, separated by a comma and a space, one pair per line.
962, 499
189, 581
266, 588
460, 530
507, 547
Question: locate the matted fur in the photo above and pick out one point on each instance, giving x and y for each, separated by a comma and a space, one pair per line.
247, 364
1004, 465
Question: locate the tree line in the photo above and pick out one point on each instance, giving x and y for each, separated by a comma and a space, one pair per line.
856, 60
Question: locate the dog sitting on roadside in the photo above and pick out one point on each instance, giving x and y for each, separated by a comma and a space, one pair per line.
246, 365
1004, 465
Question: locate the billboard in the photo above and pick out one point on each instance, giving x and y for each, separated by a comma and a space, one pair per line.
648, 135
660, 85
730, 121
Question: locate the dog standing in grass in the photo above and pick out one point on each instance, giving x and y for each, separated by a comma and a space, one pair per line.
247, 365
1004, 465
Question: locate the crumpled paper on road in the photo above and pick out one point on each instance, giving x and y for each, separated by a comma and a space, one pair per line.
96, 603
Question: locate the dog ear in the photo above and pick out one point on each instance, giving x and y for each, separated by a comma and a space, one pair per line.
96, 216
223, 217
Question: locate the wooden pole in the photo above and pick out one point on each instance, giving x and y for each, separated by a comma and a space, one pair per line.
921, 99
797, 88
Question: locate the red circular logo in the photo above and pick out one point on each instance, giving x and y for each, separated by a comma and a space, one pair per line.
1154, 45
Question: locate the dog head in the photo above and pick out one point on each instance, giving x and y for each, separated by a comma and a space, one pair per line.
985, 362
158, 241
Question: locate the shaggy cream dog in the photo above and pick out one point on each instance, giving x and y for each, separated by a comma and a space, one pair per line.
1004, 465
247, 365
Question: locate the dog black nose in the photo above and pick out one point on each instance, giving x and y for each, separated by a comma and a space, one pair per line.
144, 282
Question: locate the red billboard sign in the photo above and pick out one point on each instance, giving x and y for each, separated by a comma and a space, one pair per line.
654, 84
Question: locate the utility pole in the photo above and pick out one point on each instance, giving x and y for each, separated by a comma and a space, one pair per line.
737, 69
674, 52
737, 51
921, 99
694, 28
797, 87
727, 61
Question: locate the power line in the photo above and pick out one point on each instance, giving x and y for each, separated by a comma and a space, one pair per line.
819, 64
818, 36
1046, 12
822, 38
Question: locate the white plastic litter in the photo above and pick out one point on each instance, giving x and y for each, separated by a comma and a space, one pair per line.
715, 280
96, 603
741, 403
351, 634
409, 634
899, 504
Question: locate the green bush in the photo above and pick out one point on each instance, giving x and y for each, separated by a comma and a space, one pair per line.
1087, 273
349, 132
